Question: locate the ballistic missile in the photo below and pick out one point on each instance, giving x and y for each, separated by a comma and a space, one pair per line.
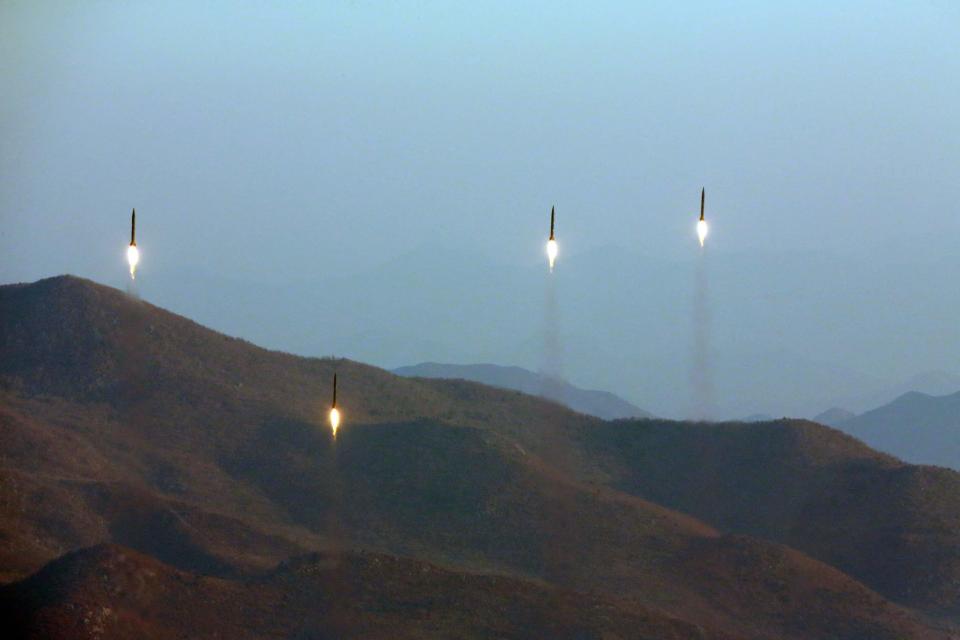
551, 243
334, 412
702, 228
334, 404
133, 254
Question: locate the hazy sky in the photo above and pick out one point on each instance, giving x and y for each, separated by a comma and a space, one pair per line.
357, 150
274, 142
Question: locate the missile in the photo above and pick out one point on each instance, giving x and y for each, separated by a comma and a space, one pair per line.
702, 228
552, 243
133, 254
334, 412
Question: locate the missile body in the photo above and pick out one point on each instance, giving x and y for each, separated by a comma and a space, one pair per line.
551, 243
334, 412
702, 228
133, 254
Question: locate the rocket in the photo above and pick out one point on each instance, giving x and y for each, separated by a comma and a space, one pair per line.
551, 243
702, 228
133, 254
334, 412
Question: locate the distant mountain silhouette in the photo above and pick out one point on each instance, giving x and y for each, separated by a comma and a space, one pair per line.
917, 427
125, 424
932, 383
834, 417
595, 403
757, 417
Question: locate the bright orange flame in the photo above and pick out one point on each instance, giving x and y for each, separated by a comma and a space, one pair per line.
702, 230
552, 252
334, 420
133, 257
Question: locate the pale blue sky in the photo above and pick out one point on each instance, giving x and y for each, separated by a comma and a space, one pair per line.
309, 138
292, 143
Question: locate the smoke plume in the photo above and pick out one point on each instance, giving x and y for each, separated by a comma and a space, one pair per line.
551, 362
701, 375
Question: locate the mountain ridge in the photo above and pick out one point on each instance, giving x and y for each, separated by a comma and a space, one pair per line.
125, 423
919, 427
601, 404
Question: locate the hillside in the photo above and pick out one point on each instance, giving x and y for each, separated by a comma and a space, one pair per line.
917, 427
601, 404
892, 525
123, 423
114, 592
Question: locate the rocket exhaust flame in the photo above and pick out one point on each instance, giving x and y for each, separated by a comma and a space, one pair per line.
133, 257
334, 412
551, 243
133, 254
334, 420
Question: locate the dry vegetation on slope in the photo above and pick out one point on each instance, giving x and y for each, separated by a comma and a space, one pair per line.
124, 423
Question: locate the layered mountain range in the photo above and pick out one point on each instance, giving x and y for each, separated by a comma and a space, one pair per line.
150, 466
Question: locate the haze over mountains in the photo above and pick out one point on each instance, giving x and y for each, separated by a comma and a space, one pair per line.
792, 334
209, 457
917, 427
595, 403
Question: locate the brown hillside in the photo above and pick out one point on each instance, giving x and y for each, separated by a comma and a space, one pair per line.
111, 592
124, 423
894, 526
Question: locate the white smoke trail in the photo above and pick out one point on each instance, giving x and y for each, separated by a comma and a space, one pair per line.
551, 362
701, 374
133, 289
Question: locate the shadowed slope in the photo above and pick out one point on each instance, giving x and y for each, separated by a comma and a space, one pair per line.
892, 525
114, 593
141, 427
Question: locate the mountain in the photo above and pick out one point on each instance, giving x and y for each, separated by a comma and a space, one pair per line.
115, 592
834, 417
209, 458
921, 428
931, 383
595, 403
894, 526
